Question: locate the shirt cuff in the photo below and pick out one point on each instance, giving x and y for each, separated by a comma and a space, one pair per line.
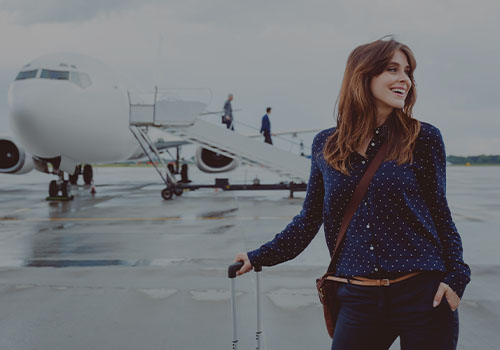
252, 256
457, 282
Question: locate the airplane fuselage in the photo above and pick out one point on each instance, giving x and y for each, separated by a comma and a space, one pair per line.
71, 106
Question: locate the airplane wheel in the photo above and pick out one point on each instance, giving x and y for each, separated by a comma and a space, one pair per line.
53, 188
171, 168
66, 189
179, 192
73, 179
166, 194
184, 173
87, 174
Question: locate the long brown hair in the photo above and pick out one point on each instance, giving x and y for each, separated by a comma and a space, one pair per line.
356, 116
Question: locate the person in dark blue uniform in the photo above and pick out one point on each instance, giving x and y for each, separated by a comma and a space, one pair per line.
227, 118
265, 128
402, 231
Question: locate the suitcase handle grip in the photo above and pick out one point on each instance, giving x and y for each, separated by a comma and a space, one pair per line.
233, 268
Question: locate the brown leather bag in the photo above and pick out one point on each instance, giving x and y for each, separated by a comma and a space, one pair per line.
327, 289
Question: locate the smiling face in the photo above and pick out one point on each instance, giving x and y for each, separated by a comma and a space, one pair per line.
391, 87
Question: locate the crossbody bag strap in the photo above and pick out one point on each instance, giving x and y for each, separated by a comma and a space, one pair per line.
356, 198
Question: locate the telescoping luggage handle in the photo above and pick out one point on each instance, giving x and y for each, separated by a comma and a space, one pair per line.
231, 272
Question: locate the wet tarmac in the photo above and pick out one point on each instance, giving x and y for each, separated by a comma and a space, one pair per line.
125, 269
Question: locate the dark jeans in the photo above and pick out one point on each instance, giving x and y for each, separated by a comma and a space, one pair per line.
373, 317
267, 138
229, 125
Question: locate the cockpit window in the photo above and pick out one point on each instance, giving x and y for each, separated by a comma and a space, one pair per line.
27, 74
54, 74
85, 80
80, 79
77, 78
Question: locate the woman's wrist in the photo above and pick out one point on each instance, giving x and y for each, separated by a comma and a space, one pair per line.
456, 282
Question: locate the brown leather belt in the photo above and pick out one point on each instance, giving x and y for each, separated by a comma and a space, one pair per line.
363, 281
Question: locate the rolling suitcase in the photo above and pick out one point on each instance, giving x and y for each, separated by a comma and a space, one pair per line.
232, 275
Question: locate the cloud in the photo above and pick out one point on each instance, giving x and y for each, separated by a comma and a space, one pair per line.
288, 54
29, 12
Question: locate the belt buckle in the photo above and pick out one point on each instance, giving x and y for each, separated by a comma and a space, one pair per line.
385, 282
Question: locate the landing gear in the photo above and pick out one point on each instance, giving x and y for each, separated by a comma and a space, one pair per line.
166, 194
184, 174
171, 168
172, 187
88, 174
73, 178
53, 188
66, 189
60, 186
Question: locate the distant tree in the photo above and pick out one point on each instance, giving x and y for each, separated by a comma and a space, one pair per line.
480, 159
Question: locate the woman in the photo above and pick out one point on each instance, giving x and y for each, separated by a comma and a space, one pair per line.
403, 227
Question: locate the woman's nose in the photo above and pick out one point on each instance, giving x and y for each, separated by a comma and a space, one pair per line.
406, 79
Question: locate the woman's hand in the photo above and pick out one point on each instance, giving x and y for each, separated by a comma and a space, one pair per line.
449, 294
247, 266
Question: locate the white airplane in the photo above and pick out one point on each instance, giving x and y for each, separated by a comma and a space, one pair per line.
68, 110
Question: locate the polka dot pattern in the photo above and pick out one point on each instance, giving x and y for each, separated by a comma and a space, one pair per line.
402, 225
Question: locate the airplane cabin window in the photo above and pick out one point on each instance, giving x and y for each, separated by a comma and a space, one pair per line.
54, 74
27, 74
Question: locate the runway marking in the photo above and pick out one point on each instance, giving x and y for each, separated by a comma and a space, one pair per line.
20, 210
169, 218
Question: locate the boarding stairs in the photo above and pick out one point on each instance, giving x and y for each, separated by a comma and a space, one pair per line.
180, 117
248, 150
148, 147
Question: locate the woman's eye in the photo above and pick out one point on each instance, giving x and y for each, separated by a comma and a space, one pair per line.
391, 69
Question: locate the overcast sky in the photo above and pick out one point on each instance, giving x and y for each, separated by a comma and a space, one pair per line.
286, 54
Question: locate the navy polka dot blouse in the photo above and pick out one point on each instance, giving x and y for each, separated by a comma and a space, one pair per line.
402, 225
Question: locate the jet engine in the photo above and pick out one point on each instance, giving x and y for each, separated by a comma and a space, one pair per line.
212, 162
13, 159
